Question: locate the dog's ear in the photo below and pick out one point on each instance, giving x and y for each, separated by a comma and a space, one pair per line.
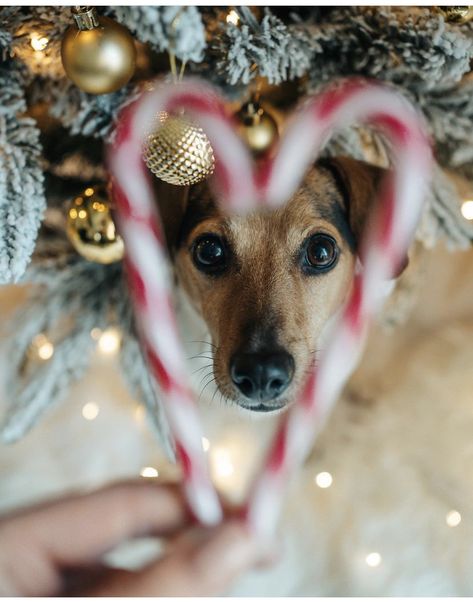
172, 203
359, 183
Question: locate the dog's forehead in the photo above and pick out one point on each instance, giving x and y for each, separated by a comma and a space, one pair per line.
317, 198
318, 193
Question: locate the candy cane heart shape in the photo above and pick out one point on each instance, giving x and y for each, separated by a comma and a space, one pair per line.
241, 187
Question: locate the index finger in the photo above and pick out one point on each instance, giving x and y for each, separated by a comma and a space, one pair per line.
82, 528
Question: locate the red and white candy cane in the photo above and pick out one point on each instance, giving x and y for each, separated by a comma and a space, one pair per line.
241, 188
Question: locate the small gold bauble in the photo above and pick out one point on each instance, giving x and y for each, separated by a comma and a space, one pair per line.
257, 127
179, 152
98, 54
91, 229
457, 14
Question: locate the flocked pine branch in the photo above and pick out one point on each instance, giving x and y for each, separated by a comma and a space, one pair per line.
272, 49
55, 296
7, 16
43, 390
450, 115
22, 200
81, 113
166, 28
84, 295
410, 46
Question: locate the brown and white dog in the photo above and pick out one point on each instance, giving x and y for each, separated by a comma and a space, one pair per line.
268, 283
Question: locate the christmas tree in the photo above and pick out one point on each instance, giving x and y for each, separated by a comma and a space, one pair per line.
57, 118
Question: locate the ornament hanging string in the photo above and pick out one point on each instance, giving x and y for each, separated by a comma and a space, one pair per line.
242, 188
172, 50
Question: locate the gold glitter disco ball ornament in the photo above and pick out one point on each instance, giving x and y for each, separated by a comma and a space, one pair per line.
457, 14
91, 229
98, 54
179, 152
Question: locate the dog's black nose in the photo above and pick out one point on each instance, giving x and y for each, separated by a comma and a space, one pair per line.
262, 376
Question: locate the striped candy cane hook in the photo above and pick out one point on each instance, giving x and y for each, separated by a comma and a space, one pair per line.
241, 189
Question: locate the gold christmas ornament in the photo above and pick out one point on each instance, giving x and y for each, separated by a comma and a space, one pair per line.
179, 152
91, 229
98, 54
257, 127
457, 14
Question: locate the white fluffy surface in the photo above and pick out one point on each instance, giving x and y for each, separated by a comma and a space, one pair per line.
399, 446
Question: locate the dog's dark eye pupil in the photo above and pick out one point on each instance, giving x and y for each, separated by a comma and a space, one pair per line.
209, 253
321, 251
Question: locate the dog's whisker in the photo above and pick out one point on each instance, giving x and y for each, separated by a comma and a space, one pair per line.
202, 368
206, 375
199, 356
206, 385
217, 390
209, 375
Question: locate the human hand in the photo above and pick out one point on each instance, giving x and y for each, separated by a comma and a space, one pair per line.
41, 548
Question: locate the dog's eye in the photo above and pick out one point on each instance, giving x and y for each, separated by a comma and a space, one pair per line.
208, 253
321, 253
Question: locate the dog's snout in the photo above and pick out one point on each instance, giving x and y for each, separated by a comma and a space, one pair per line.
262, 376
